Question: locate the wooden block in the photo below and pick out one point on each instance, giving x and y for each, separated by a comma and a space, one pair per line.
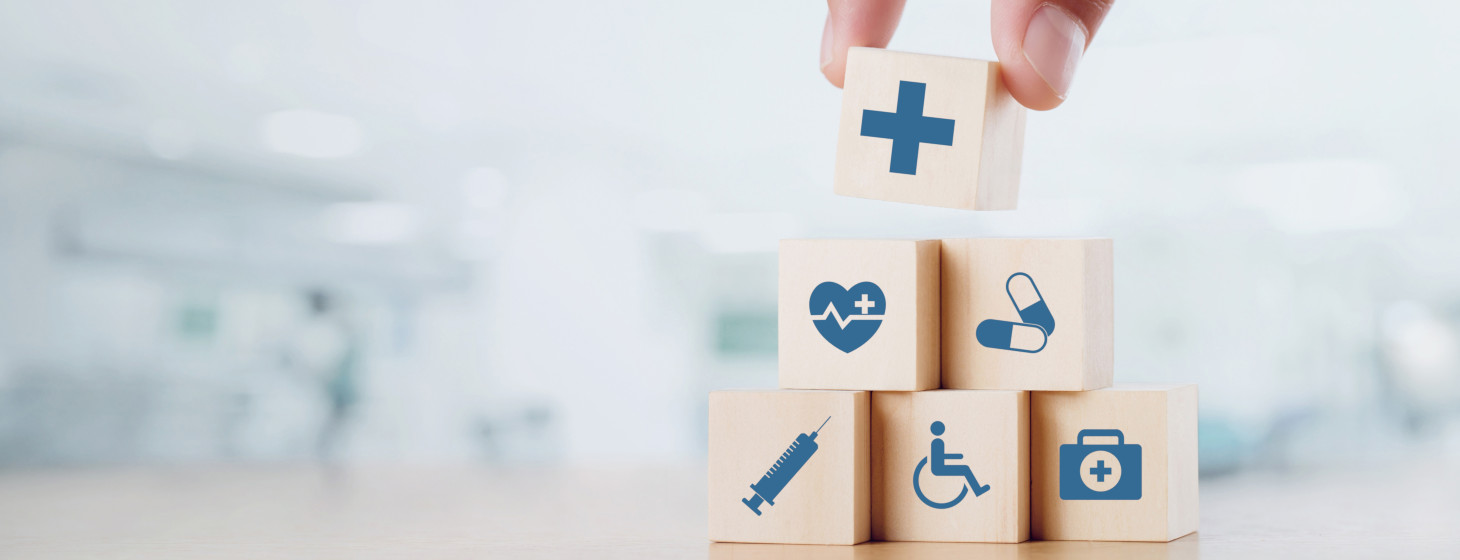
1028, 314
1117, 464
859, 314
990, 429
930, 130
816, 492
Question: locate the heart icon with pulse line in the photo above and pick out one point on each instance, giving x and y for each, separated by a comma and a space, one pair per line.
847, 318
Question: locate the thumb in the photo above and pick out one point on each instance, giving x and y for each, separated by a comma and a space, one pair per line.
855, 23
1040, 44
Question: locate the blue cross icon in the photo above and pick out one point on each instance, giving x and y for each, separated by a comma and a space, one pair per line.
1100, 470
907, 128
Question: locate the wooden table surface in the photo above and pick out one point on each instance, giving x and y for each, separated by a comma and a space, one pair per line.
418, 512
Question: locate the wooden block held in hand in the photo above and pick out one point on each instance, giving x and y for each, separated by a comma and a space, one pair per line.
990, 429
1028, 314
1117, 464
932, 130
816, 492
858, 314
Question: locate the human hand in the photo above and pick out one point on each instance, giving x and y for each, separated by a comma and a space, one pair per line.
1039, 42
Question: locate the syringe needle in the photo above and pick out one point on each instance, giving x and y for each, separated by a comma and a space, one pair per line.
823, 425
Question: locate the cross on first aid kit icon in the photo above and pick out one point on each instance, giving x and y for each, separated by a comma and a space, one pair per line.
1100, 472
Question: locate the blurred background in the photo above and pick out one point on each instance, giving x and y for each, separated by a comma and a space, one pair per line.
450, 231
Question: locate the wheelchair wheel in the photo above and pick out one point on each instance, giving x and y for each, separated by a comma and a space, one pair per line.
932, 504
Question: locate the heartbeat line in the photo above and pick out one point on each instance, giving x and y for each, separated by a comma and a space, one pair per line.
842, 323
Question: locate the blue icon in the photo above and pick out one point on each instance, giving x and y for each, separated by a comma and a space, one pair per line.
1029, 336
790, 463
940, 467
1100, 472
907, 128
847, 318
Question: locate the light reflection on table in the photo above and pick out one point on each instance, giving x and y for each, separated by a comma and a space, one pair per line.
271, 512
1183, 548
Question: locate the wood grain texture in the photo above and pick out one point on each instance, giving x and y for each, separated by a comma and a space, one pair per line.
1075, 278
1159, 418
825, 502
904, 353
1002, 153
979, 171
1184, 510
989, 428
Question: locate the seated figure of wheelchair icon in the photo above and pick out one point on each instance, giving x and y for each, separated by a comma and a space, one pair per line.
938, 459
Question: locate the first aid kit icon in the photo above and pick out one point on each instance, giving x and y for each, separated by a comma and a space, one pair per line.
1091, 471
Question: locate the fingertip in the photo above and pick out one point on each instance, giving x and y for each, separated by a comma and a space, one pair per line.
1040, 44
1021, 78
834, 71
855, 23
835, 76
1028, 88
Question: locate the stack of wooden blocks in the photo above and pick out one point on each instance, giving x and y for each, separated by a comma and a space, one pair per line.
946, 390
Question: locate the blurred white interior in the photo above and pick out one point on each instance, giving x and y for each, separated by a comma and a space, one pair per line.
459, 231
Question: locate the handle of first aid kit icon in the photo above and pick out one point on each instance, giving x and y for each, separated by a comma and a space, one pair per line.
1119, 437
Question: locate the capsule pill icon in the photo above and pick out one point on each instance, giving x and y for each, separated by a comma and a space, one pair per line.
1031, 333
1008, 335
1029, 302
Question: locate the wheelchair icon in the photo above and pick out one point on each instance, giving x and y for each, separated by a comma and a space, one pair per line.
941, 465
932, 504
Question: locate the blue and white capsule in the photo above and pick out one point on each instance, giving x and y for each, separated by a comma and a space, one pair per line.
1008, 335
1029, 301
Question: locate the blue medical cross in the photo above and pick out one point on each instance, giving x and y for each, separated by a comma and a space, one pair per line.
907, 128
1100, 470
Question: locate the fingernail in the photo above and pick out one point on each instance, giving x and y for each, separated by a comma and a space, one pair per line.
1053, 45
826, 44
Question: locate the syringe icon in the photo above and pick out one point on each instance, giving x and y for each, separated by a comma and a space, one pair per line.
786, 467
